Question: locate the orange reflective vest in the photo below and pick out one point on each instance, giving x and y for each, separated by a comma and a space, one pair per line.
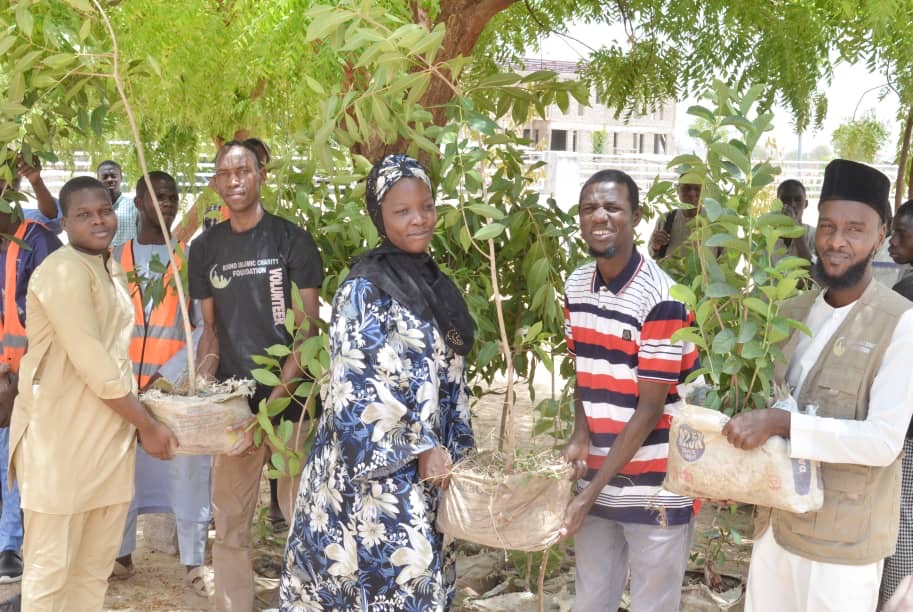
157, 338
12, 331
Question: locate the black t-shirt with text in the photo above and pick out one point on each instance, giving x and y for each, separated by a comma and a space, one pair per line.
249, 276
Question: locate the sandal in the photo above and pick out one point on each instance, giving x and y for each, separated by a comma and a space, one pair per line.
279, 524
121, 571
199, 582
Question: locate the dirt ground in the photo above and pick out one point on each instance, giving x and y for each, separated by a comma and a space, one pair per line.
489, 580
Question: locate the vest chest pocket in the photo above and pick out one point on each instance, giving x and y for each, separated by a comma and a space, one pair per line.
836, 391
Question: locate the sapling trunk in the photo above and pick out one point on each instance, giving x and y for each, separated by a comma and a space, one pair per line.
172, 261
506, 439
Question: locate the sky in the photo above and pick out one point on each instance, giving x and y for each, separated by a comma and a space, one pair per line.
847, 89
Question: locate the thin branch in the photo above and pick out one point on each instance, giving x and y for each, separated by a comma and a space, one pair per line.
547, 28
182, 300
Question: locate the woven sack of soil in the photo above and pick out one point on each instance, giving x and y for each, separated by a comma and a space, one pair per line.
199, 421
702, 463
515, 511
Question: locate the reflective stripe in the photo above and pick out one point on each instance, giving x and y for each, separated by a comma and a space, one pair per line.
14, 341
11, 341
158, 338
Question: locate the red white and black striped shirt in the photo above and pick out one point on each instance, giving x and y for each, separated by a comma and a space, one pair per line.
620, 333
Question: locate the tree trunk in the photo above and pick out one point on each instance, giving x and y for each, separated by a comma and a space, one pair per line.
902, 162
465, 20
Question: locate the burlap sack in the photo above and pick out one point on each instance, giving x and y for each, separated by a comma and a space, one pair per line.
521, 511
199, 422
703, 464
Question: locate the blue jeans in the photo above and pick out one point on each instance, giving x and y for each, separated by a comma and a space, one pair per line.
11, 518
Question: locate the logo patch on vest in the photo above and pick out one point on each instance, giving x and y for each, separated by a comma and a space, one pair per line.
626, 335
861, 346
690, 443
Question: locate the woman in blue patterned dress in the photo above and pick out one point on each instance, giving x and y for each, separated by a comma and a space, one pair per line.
396, 416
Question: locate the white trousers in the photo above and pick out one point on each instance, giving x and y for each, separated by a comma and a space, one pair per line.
781, 581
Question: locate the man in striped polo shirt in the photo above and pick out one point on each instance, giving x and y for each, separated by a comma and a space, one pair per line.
619, 322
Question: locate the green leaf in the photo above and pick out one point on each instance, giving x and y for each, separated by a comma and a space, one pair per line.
712, 209
324, 20
315, 85
487, 353
285, 431
277, 406
786, 288
733, 154
27, 61
547, 408
683, 294
538, 272
6, 43
724, 342
752, 350
533, 332
265, 377
732, 365
756, 305
278, 461
24, 18
492, 230
85, 29
278, 350
703, 312
718, 240
689, 334
9, 132
499, 80
263, 360
791, 262
98, 118
486, 210
294, 466
719, 289
701, 111
747, 331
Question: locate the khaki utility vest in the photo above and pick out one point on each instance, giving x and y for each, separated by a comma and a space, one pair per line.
859, 519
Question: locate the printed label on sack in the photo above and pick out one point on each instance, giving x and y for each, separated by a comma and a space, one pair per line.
690, 443
802, 476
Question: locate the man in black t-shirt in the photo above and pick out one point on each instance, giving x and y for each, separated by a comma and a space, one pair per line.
242, 272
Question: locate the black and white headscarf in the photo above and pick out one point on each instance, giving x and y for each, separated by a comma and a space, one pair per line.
414, 280
383, 176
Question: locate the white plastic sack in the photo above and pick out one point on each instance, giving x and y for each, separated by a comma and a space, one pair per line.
703, 464
521, 511
199, 422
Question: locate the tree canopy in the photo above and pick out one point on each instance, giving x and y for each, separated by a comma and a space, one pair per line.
201, 71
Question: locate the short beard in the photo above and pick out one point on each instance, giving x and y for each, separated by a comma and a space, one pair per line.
848, 279
608, 253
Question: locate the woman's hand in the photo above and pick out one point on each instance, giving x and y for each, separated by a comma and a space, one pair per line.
434, 466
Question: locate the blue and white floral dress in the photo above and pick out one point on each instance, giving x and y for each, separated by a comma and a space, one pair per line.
363, 536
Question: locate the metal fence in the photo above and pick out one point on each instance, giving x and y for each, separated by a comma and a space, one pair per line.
566, 172
562, 176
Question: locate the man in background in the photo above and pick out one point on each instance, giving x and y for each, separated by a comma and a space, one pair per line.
672, 229
110, 174
48, 211
17, 263
181, 486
